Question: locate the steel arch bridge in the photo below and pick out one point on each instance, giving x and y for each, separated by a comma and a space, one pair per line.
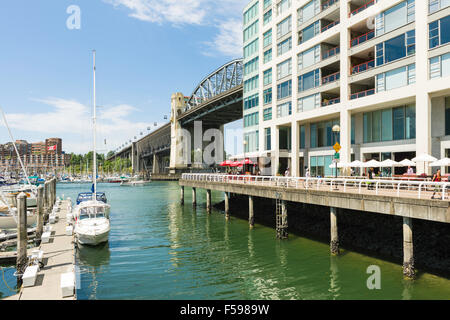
222, 80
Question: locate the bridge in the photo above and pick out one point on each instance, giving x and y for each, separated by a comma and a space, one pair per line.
215, 101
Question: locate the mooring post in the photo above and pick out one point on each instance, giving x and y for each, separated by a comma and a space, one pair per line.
46, 201
22, 237
182, 195
334, 242
251, 213
408, 256
54, 191
40, 213
194, 197
227, 206
208, 201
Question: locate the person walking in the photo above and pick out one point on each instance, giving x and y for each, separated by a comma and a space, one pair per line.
287, 172
371, 175
436, 178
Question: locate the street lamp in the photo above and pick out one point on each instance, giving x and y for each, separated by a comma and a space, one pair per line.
336, 129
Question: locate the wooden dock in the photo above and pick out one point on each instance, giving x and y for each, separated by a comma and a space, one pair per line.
59, 258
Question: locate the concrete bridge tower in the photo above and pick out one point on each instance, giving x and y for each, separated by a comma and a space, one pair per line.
178, 152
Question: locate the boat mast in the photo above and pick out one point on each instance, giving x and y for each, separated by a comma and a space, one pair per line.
94, 169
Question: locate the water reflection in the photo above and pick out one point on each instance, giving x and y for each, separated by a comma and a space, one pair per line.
334, 278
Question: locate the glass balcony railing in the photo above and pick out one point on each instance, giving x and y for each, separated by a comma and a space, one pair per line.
331, 78
362, 8
363, 67
361, 39
362, 94
330, 53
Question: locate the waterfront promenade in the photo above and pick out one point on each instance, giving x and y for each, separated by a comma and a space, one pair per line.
59, 258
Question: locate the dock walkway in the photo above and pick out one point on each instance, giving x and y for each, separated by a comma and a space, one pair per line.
59, 258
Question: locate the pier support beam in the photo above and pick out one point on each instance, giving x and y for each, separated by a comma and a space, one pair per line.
182, 195
408, 256
227, 206
208, 201
334, 242
22, 236
251, 213
194, 197
40, 213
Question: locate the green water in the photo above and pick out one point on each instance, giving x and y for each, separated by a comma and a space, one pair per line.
161, 250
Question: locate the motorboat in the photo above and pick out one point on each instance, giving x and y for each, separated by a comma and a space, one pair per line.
135, 183
11, 193
92, 223
8, 220
86, 196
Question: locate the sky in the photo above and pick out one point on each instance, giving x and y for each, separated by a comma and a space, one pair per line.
146, 50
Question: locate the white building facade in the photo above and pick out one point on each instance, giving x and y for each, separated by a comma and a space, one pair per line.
378, 69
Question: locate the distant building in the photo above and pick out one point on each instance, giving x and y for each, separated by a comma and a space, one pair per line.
38, 148
51, 142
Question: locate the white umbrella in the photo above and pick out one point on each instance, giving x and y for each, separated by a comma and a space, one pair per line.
407, 163
389, 163
372, 163
424, 158
445, 162
339, 165
356, 164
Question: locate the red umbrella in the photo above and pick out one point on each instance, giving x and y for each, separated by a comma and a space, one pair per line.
247, 161
236, 164
226, 163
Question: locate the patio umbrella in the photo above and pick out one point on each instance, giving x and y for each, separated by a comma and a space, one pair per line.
235, 164
407, 163
372, 163
445, 162
389, 163
246, 161
425, 158
356, 164
226, 163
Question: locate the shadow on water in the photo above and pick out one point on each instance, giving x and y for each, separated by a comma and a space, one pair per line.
94, 256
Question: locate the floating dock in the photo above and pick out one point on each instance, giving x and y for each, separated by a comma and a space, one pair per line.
59, 261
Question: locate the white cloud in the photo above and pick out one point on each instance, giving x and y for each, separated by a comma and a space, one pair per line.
72, 121
225, 15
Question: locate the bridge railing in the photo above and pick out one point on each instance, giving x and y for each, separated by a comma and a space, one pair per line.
400, 188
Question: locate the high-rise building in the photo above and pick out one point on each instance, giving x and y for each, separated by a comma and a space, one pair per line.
51, 142
377, 71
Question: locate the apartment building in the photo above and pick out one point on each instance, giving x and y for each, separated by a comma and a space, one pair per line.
378, 69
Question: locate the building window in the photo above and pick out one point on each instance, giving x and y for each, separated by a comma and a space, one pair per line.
284, 89
284, 27
283, 6
309, 80
395, 17
396, 78
284, 46
268, 76
252, 139
390, 124
435, 5
268, 141
447, 116
251, 66
395, 48
438, 32
267, 38
267, 3
251, 84
251, 13
267, 114
284, 109
302, 137
320, 166
309, 32
284, 69
267, 17
251, 48
322, 135
440, 66
308, 11
308, 103
251, 102
250, 31
309, 57
267, 94
251, 120
268, 56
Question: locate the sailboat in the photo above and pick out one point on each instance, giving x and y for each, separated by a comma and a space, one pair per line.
91, 215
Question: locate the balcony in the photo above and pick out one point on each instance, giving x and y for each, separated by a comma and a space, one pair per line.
362, 38
361, 8
362, 67
362, 94
331, 78
327, 4
330, 53
327, 102
329, 26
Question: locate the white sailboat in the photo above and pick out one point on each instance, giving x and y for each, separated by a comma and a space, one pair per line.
92, 223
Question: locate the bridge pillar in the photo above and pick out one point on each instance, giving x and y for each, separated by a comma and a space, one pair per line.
155, 169
408, 256
208, 201
194, 197
227, 205
334, 242
179, 150
251, 213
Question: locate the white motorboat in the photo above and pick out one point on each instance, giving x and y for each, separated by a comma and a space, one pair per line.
11, 193
135, 183
92, 224
8, 221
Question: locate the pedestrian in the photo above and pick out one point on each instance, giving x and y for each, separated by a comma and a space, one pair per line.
287, 172
307, 174
436, 178
371, 174
410, 171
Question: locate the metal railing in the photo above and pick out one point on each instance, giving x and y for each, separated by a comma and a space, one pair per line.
362, 8
363, 67
331, 78
329, 26
362, 38
399, 188
330, 53
328, 4
362, 94
330, 102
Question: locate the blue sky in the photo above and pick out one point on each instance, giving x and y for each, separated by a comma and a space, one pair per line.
146, 50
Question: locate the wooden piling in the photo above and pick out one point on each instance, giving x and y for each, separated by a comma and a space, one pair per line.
251, 215
208, 201
194, 197
334, 242
46, 201
408, 249
22, 237
40, 213
227, 205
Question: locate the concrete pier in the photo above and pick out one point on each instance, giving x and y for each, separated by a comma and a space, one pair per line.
334, 241
208, 201
251, 213
182, 195
227, 206
408, 249
22, 236
194, 197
